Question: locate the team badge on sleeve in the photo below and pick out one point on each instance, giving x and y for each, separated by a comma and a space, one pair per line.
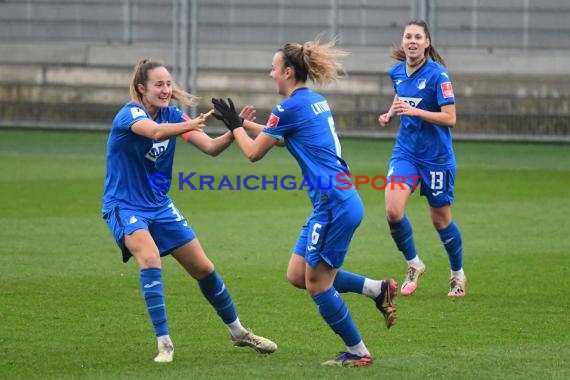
137, 112
447, 90
273, 120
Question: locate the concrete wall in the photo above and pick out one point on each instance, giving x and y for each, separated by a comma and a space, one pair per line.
67, 63
82, 85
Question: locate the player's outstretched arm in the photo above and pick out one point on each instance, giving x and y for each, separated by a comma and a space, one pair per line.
158, 132
209, 145
254, 149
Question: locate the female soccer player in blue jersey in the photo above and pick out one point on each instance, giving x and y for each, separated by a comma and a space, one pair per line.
425, 103
303, 122
138, 210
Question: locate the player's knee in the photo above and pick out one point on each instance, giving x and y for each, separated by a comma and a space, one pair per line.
440, 224
150, 260
394, 213
200, 269
440, 217
296, 280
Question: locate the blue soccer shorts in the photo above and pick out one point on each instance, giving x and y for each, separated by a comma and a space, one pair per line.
166, 225
328, 231
436, 184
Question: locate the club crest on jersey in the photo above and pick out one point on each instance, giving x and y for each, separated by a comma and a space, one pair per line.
273, 120
447, 90
421, 84
157, 149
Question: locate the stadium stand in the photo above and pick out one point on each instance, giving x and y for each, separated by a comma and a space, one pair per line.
66, 63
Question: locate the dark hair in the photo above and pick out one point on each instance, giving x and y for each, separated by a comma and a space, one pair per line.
313, 60
431, 52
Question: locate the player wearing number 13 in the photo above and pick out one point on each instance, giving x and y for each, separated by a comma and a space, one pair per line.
425, 104
303, 122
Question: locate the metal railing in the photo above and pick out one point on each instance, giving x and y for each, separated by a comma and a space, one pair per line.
486, 24
183, 25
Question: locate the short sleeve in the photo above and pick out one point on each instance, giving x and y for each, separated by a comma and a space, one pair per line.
444, 89
129, 115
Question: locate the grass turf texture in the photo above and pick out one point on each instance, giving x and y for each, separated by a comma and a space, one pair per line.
70, 309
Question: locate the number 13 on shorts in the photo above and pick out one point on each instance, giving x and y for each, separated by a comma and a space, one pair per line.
436, 182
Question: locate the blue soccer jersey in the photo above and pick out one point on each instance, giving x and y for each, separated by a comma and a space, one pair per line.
132, 160
419, 141
306, 123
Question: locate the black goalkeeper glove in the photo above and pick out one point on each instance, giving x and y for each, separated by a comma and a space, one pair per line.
227, 113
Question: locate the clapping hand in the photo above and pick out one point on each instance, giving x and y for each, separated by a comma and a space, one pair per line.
199, 123
248, 112
226, 112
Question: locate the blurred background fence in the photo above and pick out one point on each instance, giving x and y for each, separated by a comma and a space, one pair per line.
66, 63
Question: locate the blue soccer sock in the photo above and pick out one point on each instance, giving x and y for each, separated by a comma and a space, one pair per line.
348, 282
214, 289
451, 239
403, 237
336, 314
153, 293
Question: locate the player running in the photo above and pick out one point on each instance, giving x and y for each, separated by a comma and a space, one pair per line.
303, 122
141, 216
425, 104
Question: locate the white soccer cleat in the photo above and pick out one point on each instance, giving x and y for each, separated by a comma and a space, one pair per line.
165, 350
412, 279
258, 343
457, 286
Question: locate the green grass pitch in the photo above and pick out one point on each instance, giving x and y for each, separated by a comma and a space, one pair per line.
69, 309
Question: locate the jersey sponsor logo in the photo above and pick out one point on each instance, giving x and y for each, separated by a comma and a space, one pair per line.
157, 149
136, 112
447, 90
445, 74
414, 102
273, 120
398, 81
421, 83
132, 220
279, 108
